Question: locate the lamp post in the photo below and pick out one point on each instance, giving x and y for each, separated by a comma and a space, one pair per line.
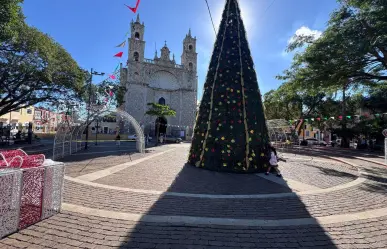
89, 104
96, 132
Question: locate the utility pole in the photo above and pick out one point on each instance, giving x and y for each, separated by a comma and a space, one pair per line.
96, 132
89, 104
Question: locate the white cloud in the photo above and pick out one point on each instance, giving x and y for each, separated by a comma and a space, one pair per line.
305, 31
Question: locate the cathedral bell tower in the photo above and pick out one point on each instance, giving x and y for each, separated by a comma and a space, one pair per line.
136, 41
189, 56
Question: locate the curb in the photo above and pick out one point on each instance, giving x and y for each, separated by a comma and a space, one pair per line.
371, 161
194, 220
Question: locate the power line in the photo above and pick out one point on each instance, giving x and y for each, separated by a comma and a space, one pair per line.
212, 21
268, 7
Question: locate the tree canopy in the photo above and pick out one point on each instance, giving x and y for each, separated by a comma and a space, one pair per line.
352, 50
33, 67
159, 110
11, 17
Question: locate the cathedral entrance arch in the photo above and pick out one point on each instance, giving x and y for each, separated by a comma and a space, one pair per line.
162, 122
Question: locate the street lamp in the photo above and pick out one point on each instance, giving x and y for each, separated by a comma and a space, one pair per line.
96, 131
89, 104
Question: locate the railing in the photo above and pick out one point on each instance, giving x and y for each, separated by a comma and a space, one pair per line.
150, 61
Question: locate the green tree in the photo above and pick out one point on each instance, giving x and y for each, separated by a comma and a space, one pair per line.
230, 132
376, 99
159, 111
114, 86
11, 19
288, 102
351, 52
33, 67
281, 105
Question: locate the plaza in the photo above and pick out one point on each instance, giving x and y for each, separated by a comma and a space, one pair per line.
112, 199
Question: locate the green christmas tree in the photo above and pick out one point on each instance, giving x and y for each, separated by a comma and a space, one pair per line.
230, 133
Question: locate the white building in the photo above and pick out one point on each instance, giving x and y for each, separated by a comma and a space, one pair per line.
160, 80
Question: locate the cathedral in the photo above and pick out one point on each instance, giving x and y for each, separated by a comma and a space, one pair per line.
161, 80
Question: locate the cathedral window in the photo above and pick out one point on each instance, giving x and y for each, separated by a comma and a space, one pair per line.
190, 47
162, 101
136, 56
137, 36
190, 66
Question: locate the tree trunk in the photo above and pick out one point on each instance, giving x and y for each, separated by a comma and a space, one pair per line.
157, 133
344, 140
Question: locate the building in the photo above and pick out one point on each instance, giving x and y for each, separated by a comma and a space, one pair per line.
161, 80
104, 125
45, 121
18, 119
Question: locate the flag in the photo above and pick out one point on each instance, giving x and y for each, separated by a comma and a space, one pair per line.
113, 77
135, 8
121, 45
119, 54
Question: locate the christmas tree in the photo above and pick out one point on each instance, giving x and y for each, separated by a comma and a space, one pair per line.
230, 133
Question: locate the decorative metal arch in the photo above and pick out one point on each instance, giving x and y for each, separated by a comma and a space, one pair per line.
280, 133
68, 139
140, 142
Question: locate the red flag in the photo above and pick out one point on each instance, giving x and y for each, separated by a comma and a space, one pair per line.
111, 93
119, 54
135, 8
113, 77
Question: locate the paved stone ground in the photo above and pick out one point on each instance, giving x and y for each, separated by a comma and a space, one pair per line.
355, 199
106, 155
71, 230
170, 173
307, 171
274, 202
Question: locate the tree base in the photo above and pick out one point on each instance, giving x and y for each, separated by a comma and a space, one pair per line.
260, 168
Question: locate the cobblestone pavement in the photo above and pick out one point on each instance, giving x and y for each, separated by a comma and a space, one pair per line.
170, 173
71, 230
337, 202
344, 212
104, 155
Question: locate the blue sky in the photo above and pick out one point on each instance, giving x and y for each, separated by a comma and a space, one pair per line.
90, 30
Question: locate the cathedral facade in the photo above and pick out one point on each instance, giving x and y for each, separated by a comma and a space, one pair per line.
161, 80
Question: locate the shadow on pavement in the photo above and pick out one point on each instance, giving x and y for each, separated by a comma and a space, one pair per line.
333, 172
219, 222
103, 150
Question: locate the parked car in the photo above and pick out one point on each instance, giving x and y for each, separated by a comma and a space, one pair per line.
172, 139
353, 144
314, 141
336, 143
134, 137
